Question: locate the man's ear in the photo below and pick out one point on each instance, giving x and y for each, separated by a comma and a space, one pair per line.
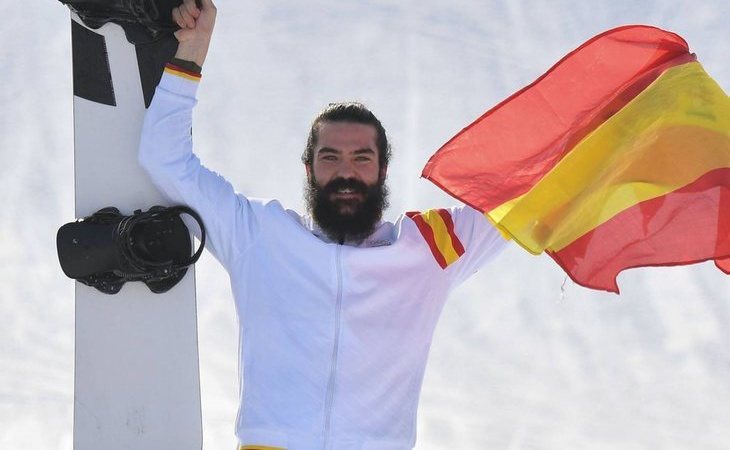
383, 172
308, 168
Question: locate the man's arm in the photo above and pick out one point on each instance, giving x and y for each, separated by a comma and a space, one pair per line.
461, 239
166, 147
482, 241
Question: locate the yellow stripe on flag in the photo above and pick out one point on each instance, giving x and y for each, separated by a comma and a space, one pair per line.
505, 234
667, 137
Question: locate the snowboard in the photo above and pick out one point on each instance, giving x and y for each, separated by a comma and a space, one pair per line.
136, 382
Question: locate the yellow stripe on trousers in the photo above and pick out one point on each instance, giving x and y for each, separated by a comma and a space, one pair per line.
668, 136
259, 447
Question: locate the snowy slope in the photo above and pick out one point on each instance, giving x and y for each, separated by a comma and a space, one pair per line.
515, 363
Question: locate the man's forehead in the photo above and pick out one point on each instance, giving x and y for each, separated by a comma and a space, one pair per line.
346, 135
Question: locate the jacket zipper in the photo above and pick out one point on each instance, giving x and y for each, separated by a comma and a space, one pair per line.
333, 370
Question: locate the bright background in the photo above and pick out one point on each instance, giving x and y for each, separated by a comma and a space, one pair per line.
517, 362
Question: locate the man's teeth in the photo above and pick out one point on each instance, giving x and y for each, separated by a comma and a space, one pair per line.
345, 191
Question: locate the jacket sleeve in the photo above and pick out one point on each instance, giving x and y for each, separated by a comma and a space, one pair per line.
166, 153
481, 242
461, 240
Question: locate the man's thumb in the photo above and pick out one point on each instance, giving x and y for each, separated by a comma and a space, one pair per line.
183, 34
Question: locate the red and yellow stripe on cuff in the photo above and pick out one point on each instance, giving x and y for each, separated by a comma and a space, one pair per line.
437, 228
172, 69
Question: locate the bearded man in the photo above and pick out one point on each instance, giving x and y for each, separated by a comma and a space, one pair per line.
337, 308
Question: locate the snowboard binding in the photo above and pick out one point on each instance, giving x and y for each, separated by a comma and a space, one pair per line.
143, 20
107, 249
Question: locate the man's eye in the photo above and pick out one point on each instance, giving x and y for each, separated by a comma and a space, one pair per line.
329, 157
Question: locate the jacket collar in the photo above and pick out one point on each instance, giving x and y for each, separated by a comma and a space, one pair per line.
383, 234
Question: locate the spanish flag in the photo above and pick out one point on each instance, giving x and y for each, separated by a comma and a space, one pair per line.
617, 157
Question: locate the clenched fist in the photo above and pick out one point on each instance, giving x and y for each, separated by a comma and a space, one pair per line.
196, 28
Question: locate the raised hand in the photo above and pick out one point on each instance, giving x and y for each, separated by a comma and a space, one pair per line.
196, 28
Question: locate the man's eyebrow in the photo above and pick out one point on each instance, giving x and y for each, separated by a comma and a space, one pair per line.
357, 152
364, 150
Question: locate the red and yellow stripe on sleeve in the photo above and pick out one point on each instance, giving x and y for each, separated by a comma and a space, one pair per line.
176, 70
617, 157
437, 228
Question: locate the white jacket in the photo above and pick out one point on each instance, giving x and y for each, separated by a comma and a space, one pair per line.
334, 338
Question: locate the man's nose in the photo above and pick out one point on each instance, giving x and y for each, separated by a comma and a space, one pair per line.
346, 170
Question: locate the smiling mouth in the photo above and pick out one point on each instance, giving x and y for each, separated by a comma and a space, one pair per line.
346, 193
346, 196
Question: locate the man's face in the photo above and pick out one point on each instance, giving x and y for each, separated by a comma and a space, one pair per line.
346, 192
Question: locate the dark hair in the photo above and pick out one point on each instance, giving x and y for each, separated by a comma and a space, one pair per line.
347, 112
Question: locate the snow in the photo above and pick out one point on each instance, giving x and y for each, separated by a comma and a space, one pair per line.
516, 363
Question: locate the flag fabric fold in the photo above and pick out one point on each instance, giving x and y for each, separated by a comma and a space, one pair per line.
617, 157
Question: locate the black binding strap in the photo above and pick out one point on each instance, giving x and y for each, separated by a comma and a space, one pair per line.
107, 249
127, 225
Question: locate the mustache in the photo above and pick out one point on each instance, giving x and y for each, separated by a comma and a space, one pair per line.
345, 183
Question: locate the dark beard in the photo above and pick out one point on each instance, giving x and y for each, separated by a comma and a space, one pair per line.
350, 226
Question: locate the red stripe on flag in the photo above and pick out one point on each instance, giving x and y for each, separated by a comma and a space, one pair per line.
686, 226
723, 264
455, 242
427, 233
